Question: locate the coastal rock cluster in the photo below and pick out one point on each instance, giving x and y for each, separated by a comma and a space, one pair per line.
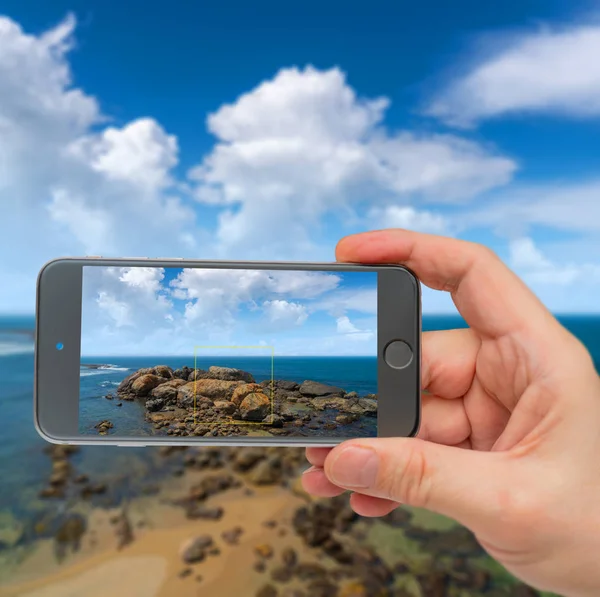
229, 402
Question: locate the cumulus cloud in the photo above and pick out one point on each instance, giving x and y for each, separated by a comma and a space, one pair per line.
68, 183
409, 218
304, 145
351, 332
547, 71
122, 306
528, 260
215, 295
282, 315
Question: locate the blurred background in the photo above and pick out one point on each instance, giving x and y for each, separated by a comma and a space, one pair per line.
268, 130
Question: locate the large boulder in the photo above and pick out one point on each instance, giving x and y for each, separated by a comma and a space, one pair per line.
197, 374
144, 384
225, 407
215, 389
167, 391
182, 373
155, 404
255, 407
163, 371
315, 388
243, 390
229, 374
125, 386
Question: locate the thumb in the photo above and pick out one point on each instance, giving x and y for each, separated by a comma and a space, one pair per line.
462, 484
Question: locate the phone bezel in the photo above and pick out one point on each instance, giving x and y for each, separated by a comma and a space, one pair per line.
58, 319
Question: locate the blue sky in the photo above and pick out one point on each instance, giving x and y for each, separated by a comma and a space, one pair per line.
170, 311
267, 130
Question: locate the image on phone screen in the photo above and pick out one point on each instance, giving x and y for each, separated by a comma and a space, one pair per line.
171, 351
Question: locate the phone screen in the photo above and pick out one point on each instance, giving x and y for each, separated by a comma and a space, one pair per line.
168, 351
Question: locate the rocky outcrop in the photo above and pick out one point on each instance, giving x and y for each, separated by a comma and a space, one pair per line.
223, 401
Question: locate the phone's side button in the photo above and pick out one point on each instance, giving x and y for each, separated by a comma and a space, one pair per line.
132, 445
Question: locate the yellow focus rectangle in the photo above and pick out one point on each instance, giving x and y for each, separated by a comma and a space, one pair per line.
245, 376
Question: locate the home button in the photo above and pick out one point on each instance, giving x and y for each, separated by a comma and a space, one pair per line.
398, 354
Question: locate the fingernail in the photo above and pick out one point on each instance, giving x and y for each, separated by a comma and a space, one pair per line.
310, 469
355, 466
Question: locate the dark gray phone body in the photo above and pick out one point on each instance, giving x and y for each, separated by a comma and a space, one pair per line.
59, 321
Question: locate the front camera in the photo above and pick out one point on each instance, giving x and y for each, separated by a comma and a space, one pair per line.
60, 346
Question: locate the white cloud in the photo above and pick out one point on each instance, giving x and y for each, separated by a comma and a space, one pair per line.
122, 305
140, 153
351, 332
68, 184
548, 71
409, 218
363, 300
573, 207
283, 314
216, 294
304, 145
529, 261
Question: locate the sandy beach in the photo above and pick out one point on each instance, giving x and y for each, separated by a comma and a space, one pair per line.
236, 522
151, 566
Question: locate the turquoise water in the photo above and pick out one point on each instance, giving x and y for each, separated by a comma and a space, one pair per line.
24, 466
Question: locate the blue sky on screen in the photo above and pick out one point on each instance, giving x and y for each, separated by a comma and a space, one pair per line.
267, 130
168, 311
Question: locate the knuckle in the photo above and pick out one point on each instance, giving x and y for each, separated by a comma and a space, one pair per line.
410, 481
484, 253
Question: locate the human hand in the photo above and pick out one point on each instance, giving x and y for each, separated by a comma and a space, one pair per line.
509, 444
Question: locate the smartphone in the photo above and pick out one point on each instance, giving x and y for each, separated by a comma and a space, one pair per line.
137, 352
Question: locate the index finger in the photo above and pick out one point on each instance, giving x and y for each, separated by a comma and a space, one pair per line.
491, 298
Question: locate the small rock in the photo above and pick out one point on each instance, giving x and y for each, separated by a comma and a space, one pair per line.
185, 573
266, 472
289, 557
264, 550
205, 512
345, 419
282, 574
260, 566
194, 550
103, 427
232, 536
310, 571
275, 421
267, 591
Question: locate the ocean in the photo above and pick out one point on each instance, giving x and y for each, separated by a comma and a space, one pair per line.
24, 465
